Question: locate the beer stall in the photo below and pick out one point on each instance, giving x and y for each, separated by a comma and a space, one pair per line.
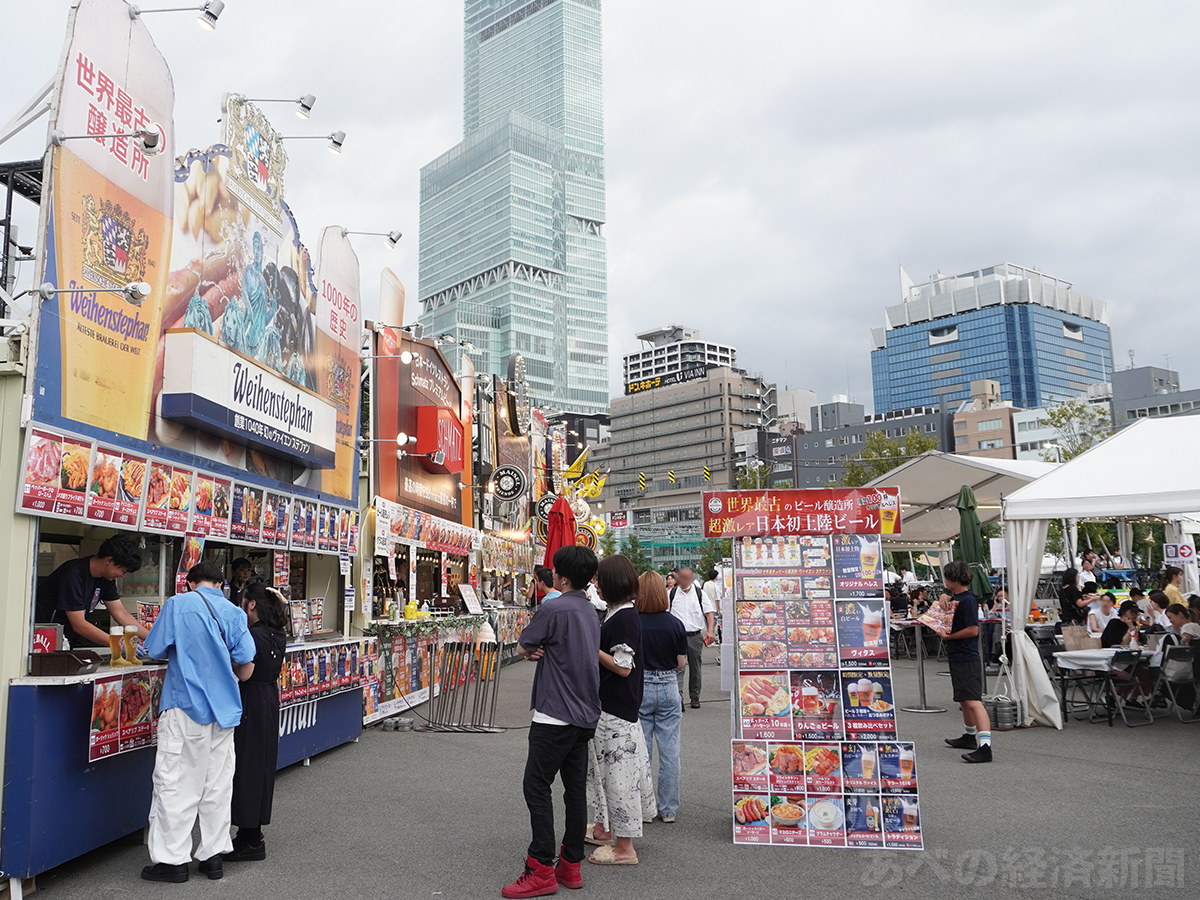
418, 544
189, 372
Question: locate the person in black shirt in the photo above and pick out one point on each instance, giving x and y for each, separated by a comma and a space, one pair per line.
73, 591
1070, 600
240, 573
962, 655
256, 738
619, 784
664, 652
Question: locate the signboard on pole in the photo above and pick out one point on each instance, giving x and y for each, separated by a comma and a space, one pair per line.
817, 760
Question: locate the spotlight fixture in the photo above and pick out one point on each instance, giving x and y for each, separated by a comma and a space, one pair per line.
335, 140
406, 357
135, 292
393, 237
209, 12
150, 140
304, 104
404, 440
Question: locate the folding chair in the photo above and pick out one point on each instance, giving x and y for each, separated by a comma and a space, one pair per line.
1116, 693
1185, 655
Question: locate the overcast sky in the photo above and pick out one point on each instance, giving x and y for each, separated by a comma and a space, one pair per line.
770, 164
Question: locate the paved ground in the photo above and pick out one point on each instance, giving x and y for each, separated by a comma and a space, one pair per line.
1084, 813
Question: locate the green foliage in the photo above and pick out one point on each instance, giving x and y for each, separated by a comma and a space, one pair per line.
1078, 426
631, 548
880, 454
752, 476
608, 544
712, 552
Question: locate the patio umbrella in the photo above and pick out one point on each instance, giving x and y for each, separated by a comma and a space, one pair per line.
971, 538
560, 530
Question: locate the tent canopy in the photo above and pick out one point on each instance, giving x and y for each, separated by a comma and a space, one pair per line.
1148, 469
929, 486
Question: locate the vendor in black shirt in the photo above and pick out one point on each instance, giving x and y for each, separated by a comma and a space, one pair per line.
1071, 600
241, 571
962, 658
73, 591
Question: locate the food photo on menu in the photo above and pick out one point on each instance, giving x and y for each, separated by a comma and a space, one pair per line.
787, 767
788, 825
750, 818
864, 820
826, 821
870, 711
816, 705
823, 768
766, 705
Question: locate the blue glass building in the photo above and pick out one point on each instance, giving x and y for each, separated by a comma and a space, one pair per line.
512, 251
1043, 341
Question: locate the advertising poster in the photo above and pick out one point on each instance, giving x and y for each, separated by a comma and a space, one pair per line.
275, 519
819, 511
180, 502
870, 709
816, 705
158, 496
858, 565
810, 618
327, 528
862, 633
202, 504
304, 525
115, 487
124, 712
247, 514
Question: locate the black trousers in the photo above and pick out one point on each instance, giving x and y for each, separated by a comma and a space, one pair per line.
557, 750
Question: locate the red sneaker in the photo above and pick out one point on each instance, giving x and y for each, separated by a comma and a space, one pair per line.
568, 873
538, 881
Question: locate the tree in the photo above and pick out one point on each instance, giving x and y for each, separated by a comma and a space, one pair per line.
880, 454
608, 544
752, 476
631, 548
1079, 427
712, 552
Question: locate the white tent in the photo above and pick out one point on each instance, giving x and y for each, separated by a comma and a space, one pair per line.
929, 486
1148, 469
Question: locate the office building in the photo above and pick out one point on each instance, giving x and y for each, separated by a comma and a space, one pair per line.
1035, 335
794, 408
839, 430
1035, 438
1148, 392
983, 425
673, 353
512, 251
673, 432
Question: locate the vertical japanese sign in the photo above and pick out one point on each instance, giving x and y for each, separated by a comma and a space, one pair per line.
815, 753
110, 220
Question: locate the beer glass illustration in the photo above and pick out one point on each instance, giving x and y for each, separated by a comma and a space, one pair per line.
872, 625
868, 763
909, 808
906, 762
868, 558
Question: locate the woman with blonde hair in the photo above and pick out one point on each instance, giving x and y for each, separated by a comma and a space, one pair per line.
664, 650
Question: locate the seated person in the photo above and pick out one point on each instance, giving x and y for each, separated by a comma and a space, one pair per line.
898, 600
1157, 612
1070, 598
1104, 612
1122, 630
1183, 631
918, 600
1138, 596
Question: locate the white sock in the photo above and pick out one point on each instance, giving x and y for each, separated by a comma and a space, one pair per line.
972, 730
985, 738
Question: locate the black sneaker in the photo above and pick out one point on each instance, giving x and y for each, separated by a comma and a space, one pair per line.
166, 872
966, 742
247, 852
212, 867
982, 755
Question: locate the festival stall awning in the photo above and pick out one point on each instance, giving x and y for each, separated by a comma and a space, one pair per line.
929, 486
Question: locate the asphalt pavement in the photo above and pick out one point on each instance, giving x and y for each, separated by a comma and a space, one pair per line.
1090, 811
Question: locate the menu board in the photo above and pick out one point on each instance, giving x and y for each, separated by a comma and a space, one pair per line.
816, 756
327, 528
210, 506
55, 475
304, 524
124, 712
247, 514
275, 519
115, 487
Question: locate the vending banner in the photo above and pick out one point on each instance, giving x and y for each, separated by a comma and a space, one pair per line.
124, 712
236, 365
815, 759
778, 513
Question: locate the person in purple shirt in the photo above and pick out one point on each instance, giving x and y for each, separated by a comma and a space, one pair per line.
564, 638
207, 644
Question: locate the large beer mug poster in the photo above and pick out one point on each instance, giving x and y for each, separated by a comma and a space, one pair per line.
816, 758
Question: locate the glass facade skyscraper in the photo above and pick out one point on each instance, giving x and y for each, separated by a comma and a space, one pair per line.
1042, 340
512, 251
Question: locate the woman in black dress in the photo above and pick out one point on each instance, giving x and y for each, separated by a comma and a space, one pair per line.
256, 739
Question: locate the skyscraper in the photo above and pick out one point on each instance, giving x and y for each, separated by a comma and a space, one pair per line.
512, 249
1042, 340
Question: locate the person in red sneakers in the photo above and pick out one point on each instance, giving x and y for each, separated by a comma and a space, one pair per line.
564, 638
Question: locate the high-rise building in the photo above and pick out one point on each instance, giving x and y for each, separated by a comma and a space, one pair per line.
674, 350
1037, 336
512, 251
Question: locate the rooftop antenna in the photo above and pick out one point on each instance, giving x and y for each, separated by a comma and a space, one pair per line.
1166, 360
1131, 358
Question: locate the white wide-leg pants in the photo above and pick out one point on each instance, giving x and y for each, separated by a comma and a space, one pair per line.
193, 776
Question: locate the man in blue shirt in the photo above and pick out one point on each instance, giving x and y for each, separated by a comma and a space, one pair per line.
208, 648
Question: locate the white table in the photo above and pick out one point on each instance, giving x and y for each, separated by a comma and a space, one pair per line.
1098, 658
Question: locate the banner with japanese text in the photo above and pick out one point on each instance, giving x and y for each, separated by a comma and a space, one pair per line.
778, 513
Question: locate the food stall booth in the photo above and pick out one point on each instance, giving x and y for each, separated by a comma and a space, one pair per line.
188, 373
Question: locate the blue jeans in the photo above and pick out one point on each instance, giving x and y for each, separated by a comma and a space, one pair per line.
661, 716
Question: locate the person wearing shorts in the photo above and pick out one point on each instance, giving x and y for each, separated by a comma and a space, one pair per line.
966, 676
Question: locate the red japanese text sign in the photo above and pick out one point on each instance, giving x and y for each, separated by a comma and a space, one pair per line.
814, 511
